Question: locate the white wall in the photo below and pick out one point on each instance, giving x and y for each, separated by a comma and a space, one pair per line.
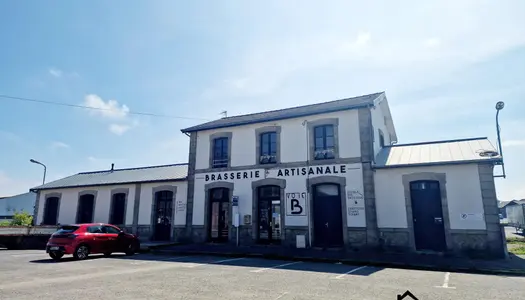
294, 184
378, 122
69, 200
293, 139
179, 204
463, 195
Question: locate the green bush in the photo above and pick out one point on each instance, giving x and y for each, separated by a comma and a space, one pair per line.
5, 223
22, 219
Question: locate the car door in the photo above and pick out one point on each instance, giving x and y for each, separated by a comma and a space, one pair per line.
97, 240
113, 238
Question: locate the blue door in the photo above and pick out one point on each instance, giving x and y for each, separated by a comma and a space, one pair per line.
429, 229
328, 216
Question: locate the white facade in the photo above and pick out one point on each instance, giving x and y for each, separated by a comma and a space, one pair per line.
69, 202
463, 192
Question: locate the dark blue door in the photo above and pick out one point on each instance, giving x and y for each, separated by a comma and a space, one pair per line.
164, 204
429, 229
328, 219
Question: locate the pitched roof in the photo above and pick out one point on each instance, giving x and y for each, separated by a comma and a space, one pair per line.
288, 113
173, 172
437, 153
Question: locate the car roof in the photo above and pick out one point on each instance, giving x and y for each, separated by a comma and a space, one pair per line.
86, 224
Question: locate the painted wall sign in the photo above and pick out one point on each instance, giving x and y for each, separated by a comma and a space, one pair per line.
296, 204
322, 170
355, 196
233, 175
356, 211
181, 206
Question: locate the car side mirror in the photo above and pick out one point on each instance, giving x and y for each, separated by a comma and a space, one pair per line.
121, 232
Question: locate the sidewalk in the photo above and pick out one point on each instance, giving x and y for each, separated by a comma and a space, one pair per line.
514, 266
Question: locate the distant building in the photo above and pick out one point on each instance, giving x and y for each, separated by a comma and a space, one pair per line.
10, 205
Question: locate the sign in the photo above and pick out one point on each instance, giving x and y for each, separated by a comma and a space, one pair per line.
355, 196
247, 219
355, 211
296, 204
181, 206
284, 172
471, 217
235, 201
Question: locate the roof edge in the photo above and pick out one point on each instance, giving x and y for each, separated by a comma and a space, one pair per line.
350, 107
135, 168
437, 142
442, 163
36, 189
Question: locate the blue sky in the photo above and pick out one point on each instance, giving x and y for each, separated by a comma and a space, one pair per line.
443, 65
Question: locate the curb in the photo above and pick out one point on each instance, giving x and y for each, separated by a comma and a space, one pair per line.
397, 265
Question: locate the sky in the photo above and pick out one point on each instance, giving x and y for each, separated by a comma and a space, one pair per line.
443, 65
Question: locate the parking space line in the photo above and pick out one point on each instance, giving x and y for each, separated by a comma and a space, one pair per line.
141, 262
445, 282
215, 262
28, 254
278, 266
281, 295
350, 272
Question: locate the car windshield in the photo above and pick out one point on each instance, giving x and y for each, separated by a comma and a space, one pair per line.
67, 229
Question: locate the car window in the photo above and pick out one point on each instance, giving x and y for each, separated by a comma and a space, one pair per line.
112, 230
95, 229
66, 229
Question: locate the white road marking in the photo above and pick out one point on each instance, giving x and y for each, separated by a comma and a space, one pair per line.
445, 282
141, 262
278, 266
24, 255
281, 295
350, 272
215, 262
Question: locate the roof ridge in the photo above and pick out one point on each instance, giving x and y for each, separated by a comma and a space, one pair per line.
438, 142
135, 168
301, 106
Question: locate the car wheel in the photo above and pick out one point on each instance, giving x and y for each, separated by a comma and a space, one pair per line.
81, 252
132, 248
56, 255
107, 254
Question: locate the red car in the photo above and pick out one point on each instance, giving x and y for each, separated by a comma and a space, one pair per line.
84, 239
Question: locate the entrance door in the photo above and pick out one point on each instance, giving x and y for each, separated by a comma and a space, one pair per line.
219, 214
429, 230
328, 216
85, 208
269, 215
163, 215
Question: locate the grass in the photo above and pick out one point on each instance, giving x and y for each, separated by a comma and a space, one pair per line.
516, 245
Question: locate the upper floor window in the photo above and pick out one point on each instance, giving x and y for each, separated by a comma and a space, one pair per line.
324, 142
268, 151
381, 139
220, 152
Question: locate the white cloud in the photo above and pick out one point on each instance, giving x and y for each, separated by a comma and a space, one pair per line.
110, 109
432, 42
57, 145
119, 129
55, 72
513, 143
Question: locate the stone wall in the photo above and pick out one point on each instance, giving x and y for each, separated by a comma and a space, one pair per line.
290, 234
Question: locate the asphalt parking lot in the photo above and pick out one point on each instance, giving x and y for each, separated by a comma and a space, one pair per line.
30, 274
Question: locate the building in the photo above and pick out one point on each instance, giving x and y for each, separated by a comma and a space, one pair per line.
330, 175
149, 201
18, 203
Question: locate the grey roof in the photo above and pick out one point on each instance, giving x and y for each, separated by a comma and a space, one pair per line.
437, 153
288, 113
120, 176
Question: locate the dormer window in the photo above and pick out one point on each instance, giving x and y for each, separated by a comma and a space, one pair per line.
324, 141
268, 151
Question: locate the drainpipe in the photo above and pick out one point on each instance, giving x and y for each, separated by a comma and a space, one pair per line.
305, 124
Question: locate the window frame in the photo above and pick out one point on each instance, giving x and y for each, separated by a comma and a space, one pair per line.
81, 195
312, 125
259, 132
213, 139
46, 197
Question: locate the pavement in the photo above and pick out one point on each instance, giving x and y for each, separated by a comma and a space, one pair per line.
29, 274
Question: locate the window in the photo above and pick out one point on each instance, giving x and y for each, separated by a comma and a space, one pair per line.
324, 141
86, 204
95, 229
118, 209
51, 211
268, 151
111, 230
220, 152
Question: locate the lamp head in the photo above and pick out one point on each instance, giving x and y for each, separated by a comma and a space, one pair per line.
500, 105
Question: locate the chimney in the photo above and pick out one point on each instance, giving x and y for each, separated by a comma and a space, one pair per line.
112, 166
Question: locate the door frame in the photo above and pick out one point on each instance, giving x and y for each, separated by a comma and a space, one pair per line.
220, 238
255, 205
207, 207
341, 181
281, 209
154, 191
155, 215
339, 190
424, 176
94, 193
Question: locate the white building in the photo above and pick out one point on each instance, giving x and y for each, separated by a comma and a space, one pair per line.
330, 175
150, 201
18, 203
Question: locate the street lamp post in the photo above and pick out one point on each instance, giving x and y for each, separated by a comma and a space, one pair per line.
39, 163
499, 106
